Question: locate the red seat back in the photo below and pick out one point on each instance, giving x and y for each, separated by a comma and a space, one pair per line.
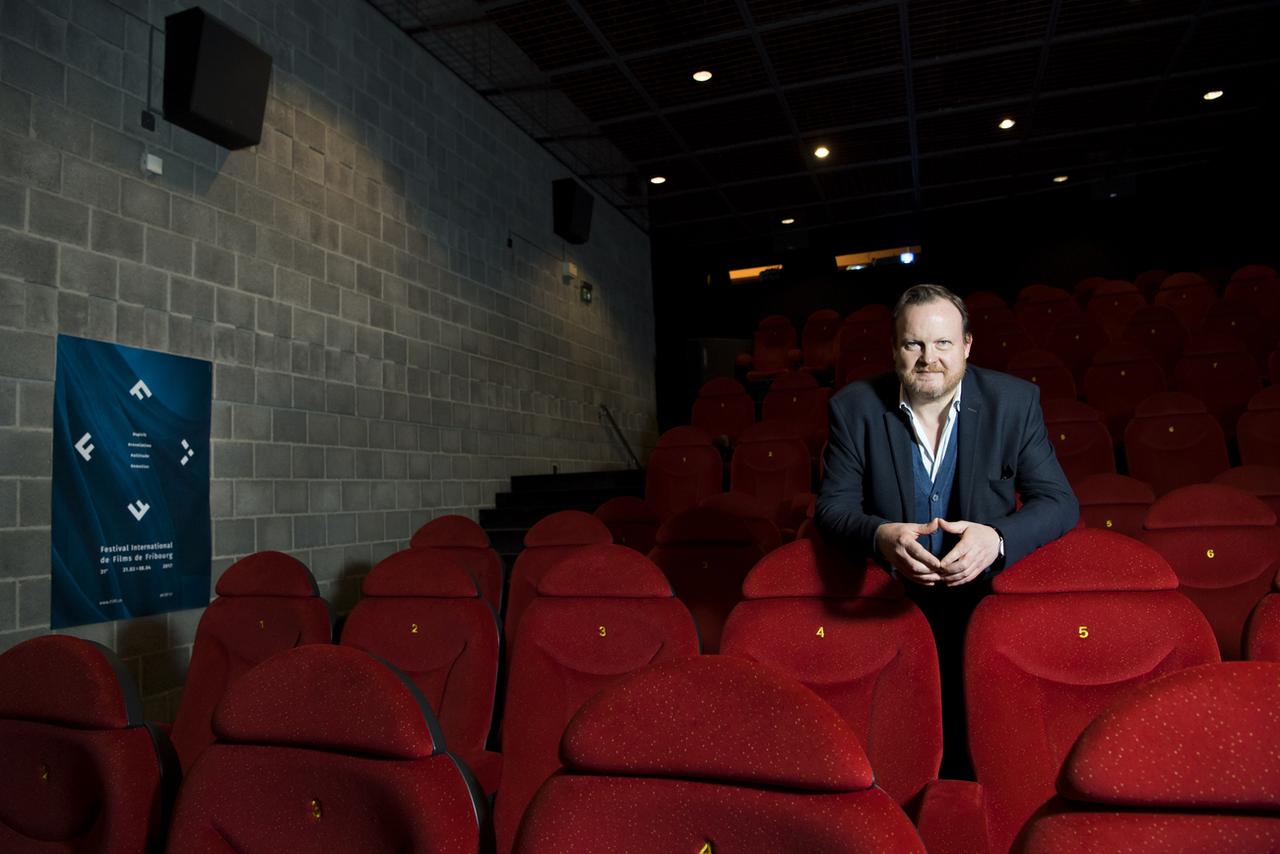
1112, 304
758, 519
798, 398
723, 409
79, 771
771, 346
1076, 340
1258, 429
1072, 627
1157, 328
1173, 441
422, 612
1218, 370
996, 342
1080, 438
267, 602
601, 614
1184, 763
818, 344
713, 753
550, 541
683, 469
1262, 631
848, 634
631, 522
1040, 308
1260, 481
1113, 502
325, 748
1224, 545
1189, 296
772, 464
1122, 375
1046, 370
465, 541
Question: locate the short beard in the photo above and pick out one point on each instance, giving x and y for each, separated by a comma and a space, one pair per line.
928, 395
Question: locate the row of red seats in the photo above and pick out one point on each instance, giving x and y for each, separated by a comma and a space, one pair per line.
849, 635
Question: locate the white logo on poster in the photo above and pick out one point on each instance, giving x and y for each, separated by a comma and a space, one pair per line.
83, 446
139, 509
140, 390
190, 453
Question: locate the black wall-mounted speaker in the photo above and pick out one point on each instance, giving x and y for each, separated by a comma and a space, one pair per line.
572, 205
215, 80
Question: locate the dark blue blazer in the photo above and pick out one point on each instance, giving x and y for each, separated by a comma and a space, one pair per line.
1002, 448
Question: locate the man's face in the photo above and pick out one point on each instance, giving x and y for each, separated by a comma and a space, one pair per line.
930, 350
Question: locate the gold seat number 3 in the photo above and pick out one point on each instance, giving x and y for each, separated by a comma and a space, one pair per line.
602, 631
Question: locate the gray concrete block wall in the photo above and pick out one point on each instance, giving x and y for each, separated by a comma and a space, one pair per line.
381, 355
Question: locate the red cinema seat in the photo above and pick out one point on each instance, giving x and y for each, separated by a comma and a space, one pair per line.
600, 615
799, 399
548, 542
422, 611
1173, 441
1225, 547
1260, 481
1111, 306
683, 469
862, 363
1122, 375
713, 754
1045, 370
1148, 282
980, 302
864, 345
723, 409
1113, 502
631, 522
1041, 307
1261, 292
325, 748
1076, 340
818, 342
1262, 632
1080, 438
848, 633
1253, 272
1189, 296
1186, 763
1157, 329
772, 464
1273, 367
1217, 370
80, 770
267, 602
1087, 287
465, 541
1241, 318
705, 554
996, 342
1071, 627
1258, 430
773, 348
753, 514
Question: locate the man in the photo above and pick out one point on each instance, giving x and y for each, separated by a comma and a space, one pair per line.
922, 467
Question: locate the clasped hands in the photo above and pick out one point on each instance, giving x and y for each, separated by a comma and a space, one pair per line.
978, 548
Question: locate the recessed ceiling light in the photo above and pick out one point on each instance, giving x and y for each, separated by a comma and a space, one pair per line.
1007, 123
657, 179
907, 257
702, 76
1060, 179
1213, 95
821, 151
789, 220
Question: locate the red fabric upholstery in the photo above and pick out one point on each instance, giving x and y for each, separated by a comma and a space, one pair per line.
1040, 665
1253, 272
451, 530
1189, 296
1240, 318
716, 751
266, 603
1259, 481
864, 344
1173, 441
758, 518
1262, 632
797, 398
1157, 329
1080, 438
1217, 370
848, 634
464, 540
631, 522
1258, 430
1112, 304
772, 464
79, 771
979, 300
818, 344
1113, 502
320, 749
1122, 374
1046, 370
1041, 307
771, 347
1085, 288
549, 541
1225, 547
1261, 293
1076, 340
953, 818
856, 364
706, 554
998, 341
1188, 762
683, 469
434, 626
569, 647
723, 409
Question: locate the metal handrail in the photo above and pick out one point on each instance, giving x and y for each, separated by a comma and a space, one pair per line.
635, 461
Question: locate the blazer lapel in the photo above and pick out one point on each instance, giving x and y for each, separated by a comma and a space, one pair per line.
971, 432
901, 447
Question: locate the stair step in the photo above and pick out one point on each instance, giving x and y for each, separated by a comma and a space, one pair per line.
587, 480
524, 516
555, 499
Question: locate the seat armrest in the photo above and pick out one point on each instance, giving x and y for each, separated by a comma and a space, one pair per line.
952, 818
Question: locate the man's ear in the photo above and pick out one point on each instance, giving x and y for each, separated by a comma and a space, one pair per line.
968, 343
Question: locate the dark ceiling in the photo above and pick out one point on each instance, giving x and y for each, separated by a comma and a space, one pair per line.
906, 95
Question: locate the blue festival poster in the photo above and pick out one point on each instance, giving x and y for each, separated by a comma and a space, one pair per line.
130, 483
